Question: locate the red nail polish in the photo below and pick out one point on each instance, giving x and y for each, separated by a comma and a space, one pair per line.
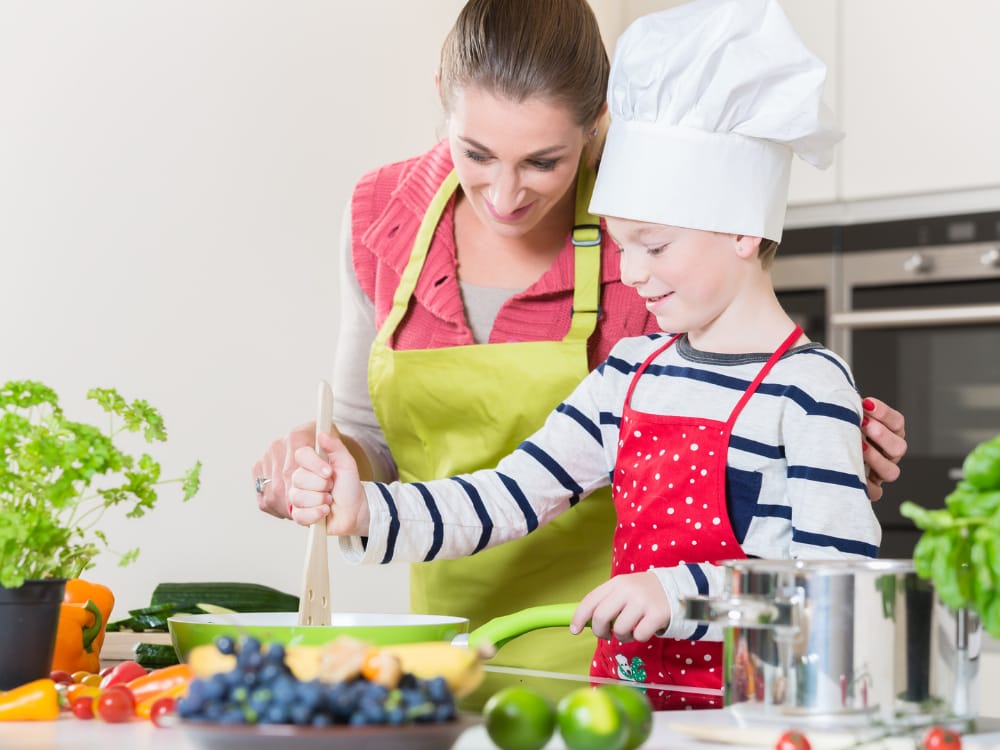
864, 421
868, 404
289, 509
864, 445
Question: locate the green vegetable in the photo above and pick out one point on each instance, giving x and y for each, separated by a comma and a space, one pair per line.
155, 655
239, 597
959, 550
58, 478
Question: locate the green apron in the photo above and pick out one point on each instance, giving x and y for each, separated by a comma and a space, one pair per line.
458, 409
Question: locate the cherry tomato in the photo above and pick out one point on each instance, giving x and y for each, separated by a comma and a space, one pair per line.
792, 740
61, 677
115, 704
82, 707
163, 712
941, 738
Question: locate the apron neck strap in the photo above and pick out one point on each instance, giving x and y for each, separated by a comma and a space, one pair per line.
771, 362
587, 238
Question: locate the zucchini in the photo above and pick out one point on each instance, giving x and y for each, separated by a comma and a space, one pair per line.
239, 597
155, 655
145, 618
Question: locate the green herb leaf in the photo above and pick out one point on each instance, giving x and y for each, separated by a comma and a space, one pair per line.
58, 477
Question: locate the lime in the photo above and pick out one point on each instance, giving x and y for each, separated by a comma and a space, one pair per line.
590, 719
518, 718
638, 711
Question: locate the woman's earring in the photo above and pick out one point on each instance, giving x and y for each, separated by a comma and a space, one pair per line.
593, 133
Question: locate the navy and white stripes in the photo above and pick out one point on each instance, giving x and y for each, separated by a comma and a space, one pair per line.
795, 474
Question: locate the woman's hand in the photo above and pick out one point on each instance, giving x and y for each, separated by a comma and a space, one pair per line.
277, 464
884, 430
633, 607
329, 488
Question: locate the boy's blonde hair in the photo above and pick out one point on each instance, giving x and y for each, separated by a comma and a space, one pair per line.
768, 249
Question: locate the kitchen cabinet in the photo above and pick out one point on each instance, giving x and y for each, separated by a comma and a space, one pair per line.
920, 106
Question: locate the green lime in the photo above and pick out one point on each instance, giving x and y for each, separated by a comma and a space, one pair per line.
518, 718
590, 719
637, 709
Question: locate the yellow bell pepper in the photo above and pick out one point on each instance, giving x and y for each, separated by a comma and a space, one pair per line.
83, 618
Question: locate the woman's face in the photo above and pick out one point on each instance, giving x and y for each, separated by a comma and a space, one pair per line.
515, 161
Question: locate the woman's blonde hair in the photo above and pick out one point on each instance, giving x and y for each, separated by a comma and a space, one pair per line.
520, 49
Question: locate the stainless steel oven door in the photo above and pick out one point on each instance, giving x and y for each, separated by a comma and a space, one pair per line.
921, 329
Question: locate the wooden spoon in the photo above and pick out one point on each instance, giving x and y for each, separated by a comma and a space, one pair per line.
314, 602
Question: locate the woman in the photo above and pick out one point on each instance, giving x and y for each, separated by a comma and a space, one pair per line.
478, 307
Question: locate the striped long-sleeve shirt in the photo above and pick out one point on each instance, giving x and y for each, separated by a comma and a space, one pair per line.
795, 479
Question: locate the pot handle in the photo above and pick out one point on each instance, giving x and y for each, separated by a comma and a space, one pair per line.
499, 630
742, 611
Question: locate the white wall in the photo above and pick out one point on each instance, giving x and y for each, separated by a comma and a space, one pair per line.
172, 176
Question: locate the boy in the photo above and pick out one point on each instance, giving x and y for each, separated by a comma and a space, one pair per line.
739, 437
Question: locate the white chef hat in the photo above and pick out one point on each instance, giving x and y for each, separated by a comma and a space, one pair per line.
708, 102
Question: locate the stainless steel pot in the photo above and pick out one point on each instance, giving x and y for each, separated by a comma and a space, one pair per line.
841, 642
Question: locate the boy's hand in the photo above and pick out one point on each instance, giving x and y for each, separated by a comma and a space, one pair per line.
329, 489
633, 607
884, 431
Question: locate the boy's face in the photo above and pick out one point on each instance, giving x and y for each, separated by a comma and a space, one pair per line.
688, 277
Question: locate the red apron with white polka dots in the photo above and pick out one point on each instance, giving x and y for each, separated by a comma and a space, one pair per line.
669, 491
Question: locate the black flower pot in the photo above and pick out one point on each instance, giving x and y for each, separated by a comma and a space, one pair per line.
29, 618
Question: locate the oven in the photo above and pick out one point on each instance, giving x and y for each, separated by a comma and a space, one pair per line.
914, 307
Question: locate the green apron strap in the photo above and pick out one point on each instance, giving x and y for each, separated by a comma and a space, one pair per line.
422, 243
587, 266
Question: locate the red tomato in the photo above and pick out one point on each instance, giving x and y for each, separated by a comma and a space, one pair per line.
82, 707
115, 704
792, 740
121, 673
163, 712
941, 738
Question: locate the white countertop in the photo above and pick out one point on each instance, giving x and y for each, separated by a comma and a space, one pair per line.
69, 732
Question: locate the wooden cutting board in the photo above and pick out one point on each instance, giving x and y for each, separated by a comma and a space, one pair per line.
121, 646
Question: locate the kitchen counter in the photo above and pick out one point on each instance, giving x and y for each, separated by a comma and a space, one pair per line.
69, 732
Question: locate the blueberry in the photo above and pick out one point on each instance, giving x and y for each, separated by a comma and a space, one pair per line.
444, 712
372, 709
275, 654
395, 716
225, 644
260, 699
249, 644
321, 720
232, 716
276, 713
213, 711
437, 690
301, 714
216, 688
310, 694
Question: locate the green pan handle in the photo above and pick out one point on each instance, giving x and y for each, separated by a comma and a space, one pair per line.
499, 630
